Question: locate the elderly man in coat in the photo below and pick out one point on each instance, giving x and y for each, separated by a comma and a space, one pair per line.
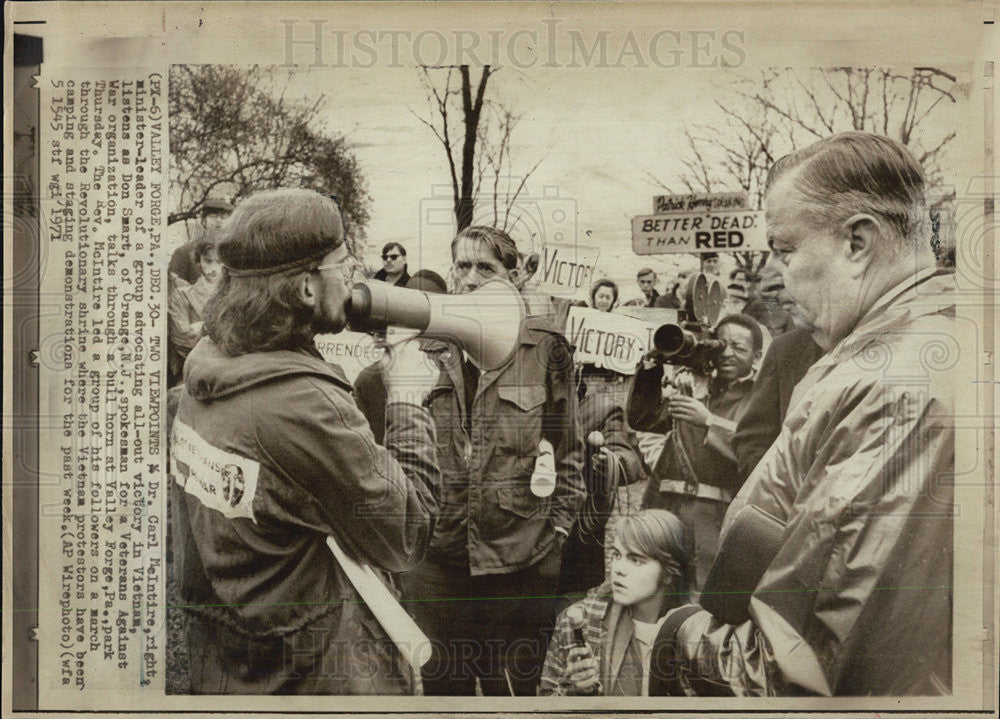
856, 597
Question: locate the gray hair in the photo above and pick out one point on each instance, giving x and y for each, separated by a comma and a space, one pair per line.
854, 172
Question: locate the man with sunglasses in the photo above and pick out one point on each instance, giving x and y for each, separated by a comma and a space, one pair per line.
485, 594
394, 269
270, 455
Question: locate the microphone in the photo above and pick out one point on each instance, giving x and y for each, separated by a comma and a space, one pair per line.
574, 615
577, 621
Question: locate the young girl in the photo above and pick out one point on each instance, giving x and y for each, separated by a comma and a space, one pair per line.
620, 619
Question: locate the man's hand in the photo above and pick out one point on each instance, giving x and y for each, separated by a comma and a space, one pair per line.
688, 409
651, 359
410, 374
581, 669
599, 463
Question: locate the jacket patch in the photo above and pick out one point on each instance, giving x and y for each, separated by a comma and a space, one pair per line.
220, 480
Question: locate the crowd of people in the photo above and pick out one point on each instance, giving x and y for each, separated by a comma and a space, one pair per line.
427, 467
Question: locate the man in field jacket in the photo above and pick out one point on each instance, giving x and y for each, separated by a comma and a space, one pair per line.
270, 456
486, 592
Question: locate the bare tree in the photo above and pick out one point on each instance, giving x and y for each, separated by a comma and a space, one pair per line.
234, 128
780, 110
476, 134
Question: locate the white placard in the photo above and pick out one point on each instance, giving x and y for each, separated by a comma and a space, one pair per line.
741, 230
566, 271
352, 351
608, 339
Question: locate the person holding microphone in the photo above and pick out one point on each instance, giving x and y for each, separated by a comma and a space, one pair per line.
602, 644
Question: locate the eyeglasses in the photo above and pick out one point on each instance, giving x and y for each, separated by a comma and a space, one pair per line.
347, 268
391, 256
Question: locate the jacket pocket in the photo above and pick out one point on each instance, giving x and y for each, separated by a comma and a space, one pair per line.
518, 421
526, 396
519, 501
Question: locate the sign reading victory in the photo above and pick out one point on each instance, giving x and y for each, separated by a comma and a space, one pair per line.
730, 230
608, 339
566, 270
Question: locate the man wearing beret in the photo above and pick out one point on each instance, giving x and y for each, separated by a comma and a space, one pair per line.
270, 456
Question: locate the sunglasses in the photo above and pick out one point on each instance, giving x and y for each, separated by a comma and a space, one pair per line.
393, 256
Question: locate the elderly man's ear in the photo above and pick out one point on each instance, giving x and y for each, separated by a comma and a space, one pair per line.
863, 234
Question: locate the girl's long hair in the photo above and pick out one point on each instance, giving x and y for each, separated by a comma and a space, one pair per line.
659, 535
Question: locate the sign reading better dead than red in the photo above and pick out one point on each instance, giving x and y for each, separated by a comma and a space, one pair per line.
729, 231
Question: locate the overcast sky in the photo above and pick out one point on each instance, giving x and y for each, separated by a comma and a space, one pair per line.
597, 138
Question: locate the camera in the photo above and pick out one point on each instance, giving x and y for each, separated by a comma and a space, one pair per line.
690, 342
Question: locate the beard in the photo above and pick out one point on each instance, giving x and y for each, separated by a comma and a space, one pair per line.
326, 322
323, 324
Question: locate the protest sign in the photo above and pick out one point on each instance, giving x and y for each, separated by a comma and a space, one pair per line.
566, 271
608, 339
699, 202
741, 230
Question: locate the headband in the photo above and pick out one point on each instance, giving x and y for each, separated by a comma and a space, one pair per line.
290, 266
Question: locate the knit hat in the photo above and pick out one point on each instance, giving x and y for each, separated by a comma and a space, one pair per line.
280, 231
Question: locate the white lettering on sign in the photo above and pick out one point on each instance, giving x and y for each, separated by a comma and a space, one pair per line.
566, 271
608, 339
220, 480
700, 201
741, 230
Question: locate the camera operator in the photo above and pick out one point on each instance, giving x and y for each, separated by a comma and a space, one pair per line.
695, 476
270, 455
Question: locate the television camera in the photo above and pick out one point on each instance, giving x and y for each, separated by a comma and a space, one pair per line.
690, 342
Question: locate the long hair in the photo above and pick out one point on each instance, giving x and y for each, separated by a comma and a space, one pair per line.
262, 311
259, 314
604, 283
659, 535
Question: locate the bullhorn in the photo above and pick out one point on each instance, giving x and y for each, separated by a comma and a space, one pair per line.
484, 322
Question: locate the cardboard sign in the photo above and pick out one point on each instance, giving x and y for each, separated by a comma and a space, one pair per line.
700, 202
352, 351
608, 339
566, 270
740, 230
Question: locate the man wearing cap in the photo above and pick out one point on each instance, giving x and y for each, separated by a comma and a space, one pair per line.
711, 263
183, 268
270, 456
